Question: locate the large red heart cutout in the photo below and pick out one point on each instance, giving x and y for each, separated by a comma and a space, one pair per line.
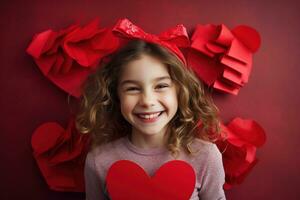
174, 180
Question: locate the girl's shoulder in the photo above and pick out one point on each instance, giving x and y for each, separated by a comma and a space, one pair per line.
205, 156
204, 149
200, 144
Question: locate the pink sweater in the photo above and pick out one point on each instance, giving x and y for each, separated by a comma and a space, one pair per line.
207, 164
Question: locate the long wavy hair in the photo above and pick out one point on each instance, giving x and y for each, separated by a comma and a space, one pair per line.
100, 115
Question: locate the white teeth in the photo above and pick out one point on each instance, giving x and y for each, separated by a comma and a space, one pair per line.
151, 116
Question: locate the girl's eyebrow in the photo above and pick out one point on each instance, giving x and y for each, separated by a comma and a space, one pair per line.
153, 80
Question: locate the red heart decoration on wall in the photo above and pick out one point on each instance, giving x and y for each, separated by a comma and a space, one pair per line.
60, 154
174, 180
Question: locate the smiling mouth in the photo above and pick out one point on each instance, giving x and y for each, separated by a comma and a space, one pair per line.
151, 117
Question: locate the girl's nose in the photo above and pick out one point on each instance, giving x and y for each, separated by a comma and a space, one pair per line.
147, 99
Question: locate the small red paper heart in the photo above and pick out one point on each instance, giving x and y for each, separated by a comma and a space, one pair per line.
174, 180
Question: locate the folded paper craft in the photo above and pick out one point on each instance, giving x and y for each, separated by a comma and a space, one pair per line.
60, 155
222, 58
238, 144
67, 57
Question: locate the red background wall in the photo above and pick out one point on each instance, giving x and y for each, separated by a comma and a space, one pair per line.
271, 97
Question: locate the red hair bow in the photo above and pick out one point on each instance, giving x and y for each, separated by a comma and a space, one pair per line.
171, 39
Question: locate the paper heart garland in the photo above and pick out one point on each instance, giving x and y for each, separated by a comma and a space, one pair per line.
60, 155
174, 180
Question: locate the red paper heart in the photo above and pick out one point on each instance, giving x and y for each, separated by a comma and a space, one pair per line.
60, 154
238, 143
68, 56
174, 180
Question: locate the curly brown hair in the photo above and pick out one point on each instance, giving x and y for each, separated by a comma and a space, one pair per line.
100, 114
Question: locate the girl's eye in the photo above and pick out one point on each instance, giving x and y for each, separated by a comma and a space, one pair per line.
132, 89
162, 86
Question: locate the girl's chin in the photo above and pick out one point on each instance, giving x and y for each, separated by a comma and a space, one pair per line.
149, 132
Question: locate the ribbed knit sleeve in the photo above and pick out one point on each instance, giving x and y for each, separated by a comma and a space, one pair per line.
214, 176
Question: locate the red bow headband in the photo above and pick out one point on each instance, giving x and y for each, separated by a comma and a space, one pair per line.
171, 39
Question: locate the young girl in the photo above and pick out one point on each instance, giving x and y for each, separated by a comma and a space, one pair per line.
146, 106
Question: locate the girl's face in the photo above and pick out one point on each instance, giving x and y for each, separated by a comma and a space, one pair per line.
148, 98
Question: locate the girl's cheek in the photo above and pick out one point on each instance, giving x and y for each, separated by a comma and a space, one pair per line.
170, 98
127, 102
